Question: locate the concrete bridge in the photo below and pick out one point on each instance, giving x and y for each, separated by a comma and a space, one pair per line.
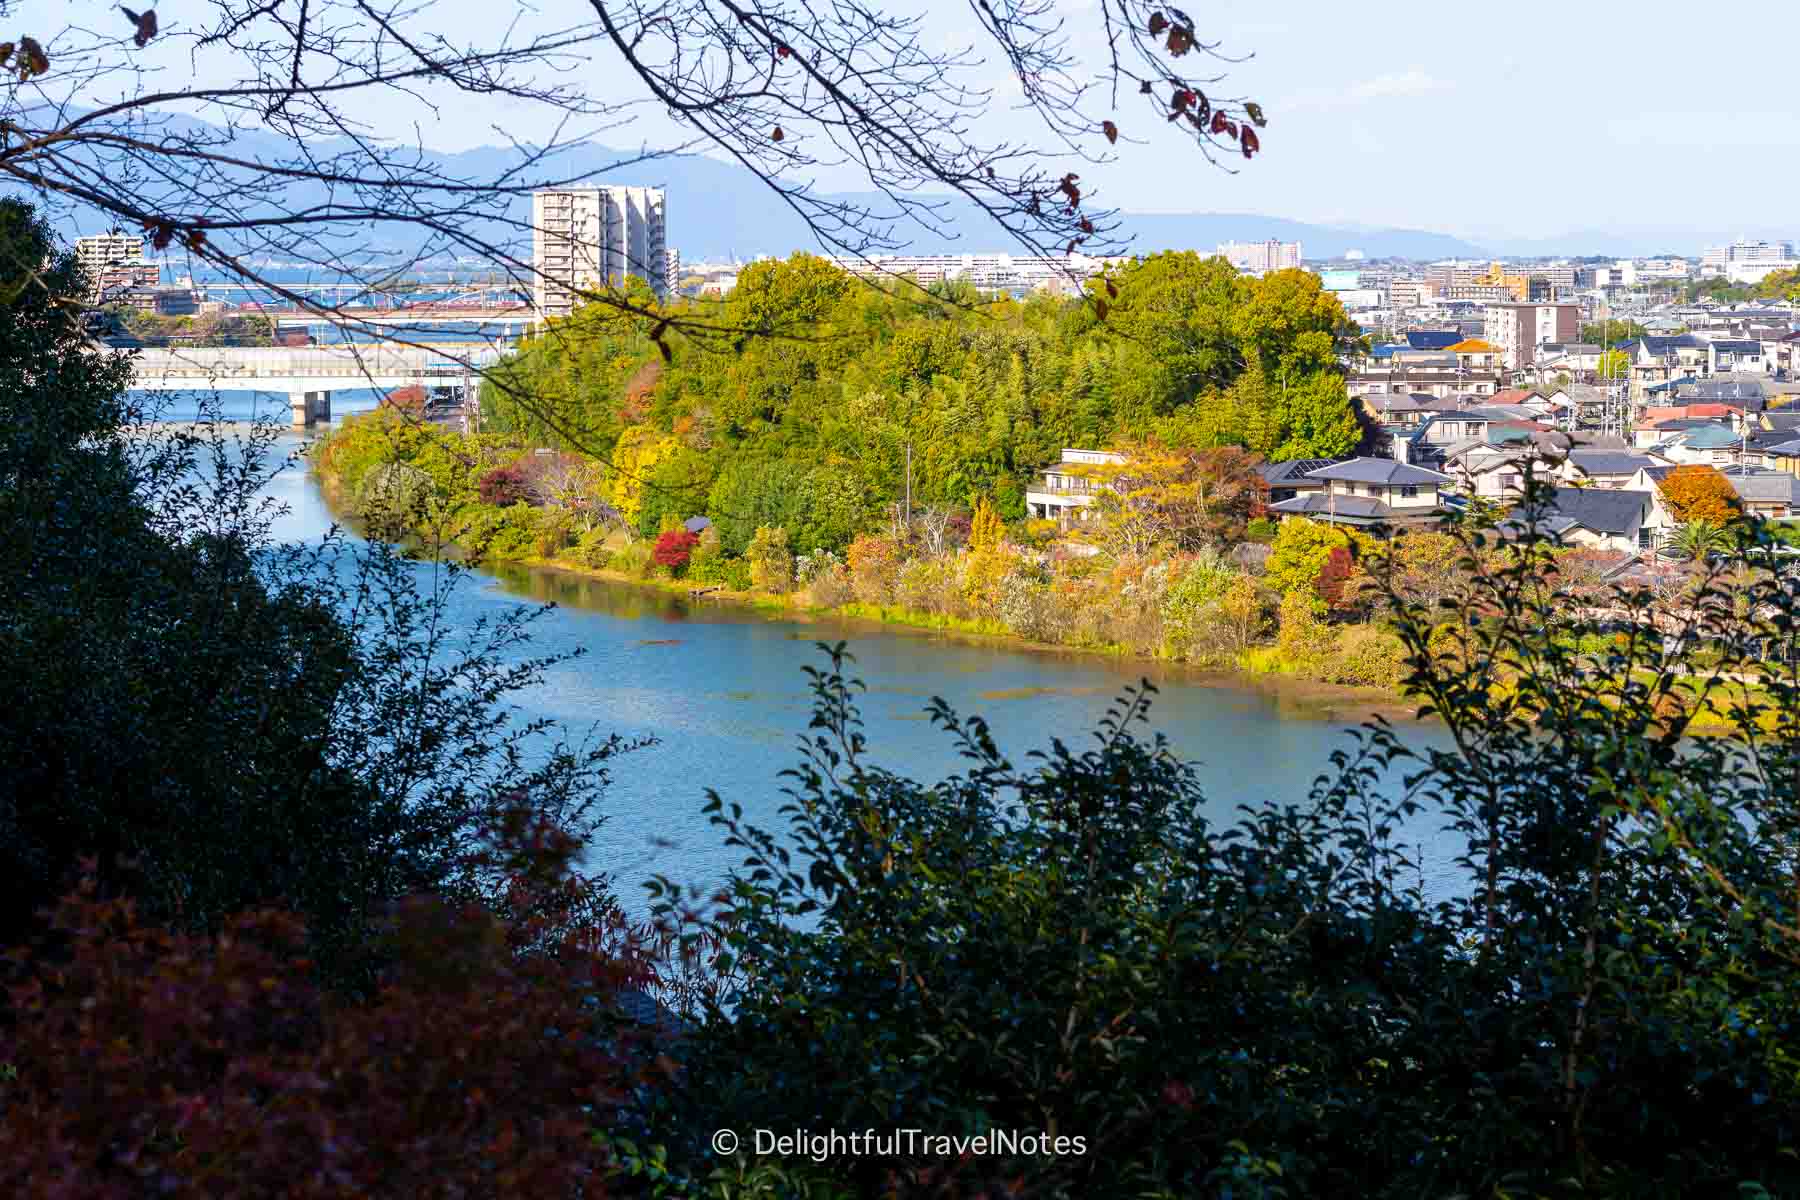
309, 374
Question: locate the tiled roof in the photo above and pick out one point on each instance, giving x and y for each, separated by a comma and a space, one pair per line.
1608, 462
1601, 510
1319, 504
1737, 347
1709, 437
1474, 346
1769, 487
1378, 470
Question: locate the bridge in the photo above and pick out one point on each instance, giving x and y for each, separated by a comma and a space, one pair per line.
512, 318
308, 374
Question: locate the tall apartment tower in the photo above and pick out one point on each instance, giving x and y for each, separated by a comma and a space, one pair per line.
114, 262
586, 238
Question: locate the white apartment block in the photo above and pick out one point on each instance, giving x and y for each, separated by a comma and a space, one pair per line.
104, 250
589, 238
1259, 258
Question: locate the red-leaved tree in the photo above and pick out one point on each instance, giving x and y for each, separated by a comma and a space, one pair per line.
1333, 576
674, 548
141, 1061
505, 486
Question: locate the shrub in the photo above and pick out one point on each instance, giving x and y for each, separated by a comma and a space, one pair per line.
592, 550
143, 1060
771, 563
1366, 656
826, 581
634, 559
553, 531
1305, 642
874, 562
673, 549
505, 486
393, 497
1262, 529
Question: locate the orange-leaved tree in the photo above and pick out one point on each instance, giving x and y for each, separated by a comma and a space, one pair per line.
1178, 497
1699, 493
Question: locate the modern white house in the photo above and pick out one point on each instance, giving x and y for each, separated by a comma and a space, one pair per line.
1068, 489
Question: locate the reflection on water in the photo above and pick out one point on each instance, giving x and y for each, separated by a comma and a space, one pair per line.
721, 688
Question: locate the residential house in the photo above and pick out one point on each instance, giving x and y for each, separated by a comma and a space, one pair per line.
1783, 456
1068, 487
1607, 470
1655, 359
1369, 491
1745, 395
1651, 433
1772, 495
1733, 355
1597, 519
1473, 354
1441, 382
1713, 445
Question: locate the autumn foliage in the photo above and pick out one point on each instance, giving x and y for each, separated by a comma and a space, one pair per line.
674, 548
1699, 493
505, 486
141, 1061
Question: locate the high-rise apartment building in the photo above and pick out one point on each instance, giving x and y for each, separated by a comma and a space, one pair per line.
114, 263
588, 238
1519, 329
1259, 258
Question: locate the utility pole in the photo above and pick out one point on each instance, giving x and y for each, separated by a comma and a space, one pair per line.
909, 486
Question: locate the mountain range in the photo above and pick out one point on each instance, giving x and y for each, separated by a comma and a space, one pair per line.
718, 210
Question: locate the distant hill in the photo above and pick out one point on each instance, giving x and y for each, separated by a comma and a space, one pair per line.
718, 210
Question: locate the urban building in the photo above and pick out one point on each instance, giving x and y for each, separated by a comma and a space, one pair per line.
1017, 275
588, 238
1259, 258
114, 264
1069, 486
1519, 329
1748, 261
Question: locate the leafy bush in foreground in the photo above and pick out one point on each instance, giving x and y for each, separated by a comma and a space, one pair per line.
1603, 1001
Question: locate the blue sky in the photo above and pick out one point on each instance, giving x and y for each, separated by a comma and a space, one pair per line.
1526, 121
1537, 119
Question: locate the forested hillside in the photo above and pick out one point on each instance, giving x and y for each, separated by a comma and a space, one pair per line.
801, 415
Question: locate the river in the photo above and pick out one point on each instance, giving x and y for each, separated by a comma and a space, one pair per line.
721, 689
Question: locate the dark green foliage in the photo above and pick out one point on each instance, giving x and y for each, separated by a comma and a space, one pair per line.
1603, 1000
220, 721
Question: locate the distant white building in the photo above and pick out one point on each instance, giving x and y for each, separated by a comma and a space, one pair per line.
588, 238
1259, 258
1747, 261
1068, 489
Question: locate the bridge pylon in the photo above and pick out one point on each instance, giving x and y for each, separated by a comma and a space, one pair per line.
309, 408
